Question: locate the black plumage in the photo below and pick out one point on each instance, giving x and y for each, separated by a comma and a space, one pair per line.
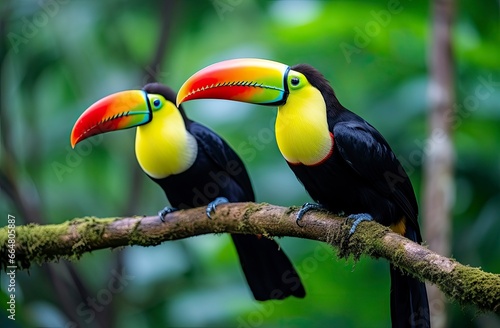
362, 175
219, 172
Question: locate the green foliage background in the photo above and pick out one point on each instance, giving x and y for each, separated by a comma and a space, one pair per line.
59, 56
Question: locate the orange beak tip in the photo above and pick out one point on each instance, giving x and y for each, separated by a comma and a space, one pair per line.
121, 110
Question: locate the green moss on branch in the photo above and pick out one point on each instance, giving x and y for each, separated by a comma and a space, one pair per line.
71, 239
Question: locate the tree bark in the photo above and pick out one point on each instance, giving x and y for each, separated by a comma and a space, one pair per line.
439, 162
71, 239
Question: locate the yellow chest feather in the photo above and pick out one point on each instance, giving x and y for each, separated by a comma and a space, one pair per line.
163, 146
302, 128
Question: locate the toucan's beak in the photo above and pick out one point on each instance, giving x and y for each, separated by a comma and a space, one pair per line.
256, 81
118, 111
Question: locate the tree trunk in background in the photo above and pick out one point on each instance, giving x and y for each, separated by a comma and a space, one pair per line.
439, 188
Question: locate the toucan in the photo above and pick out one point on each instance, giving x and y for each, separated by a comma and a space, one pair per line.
343, 162
194, 167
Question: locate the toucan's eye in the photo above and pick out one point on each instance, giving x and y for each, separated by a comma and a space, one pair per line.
296, 80
156, 103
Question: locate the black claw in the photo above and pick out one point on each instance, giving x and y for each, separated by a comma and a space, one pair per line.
164, 212
212, 205
306, 208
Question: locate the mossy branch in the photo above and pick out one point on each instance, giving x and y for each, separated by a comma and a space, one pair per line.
71, 239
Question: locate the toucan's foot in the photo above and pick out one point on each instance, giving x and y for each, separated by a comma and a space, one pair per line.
212, 205
306, 208
166, 211
358, 218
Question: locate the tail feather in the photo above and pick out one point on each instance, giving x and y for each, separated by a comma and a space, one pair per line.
268, 271
409, 304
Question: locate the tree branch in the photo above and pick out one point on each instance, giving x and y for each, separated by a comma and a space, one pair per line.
71, 239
